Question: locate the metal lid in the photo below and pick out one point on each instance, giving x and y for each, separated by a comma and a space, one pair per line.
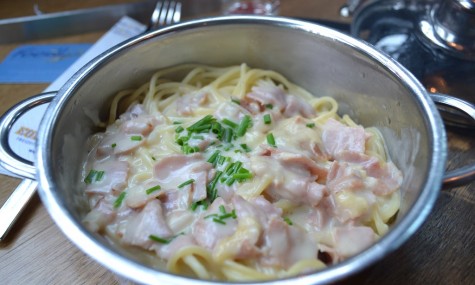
18, 130
451, 26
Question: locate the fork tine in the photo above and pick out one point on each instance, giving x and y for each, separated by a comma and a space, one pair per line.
177, 14
163, 13
155, 15
170, 13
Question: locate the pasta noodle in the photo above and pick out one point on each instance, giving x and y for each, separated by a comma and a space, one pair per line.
235, 173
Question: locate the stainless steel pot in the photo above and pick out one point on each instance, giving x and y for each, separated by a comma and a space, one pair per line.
372, 88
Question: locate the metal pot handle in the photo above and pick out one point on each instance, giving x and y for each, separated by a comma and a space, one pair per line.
16, 203
464, 174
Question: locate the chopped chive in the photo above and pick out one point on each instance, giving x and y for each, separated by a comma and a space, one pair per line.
310, 125
203, 128
203, 121
269, 106
243, 126
153, 189
267, 119
230, 123
228, 135
119, 200
245, 147
221, 159
136, 138
271, 140
233, 213
99, 175
179, 129
113, 145
210, 216
195, 205
159, 239
230, 181
240, 176
219, 221
187, 182
212, 159
94, 175
198, 137
236, 101
229, 168
288, 221
153, 158
176, 122
222, 209
216, 128
211, 189
90, 175
227, 216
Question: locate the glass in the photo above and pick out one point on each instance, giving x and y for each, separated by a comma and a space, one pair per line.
256, 7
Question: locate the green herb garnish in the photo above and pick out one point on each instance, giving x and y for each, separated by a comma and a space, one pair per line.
288, 221
310, 125
230, 123
94, 176
119, 200
271, 140
243, 126
179, 129
136, 138
159, 239
269, 106
187, 182
267, 119
153, 189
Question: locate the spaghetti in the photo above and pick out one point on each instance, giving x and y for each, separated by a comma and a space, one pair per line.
237, 174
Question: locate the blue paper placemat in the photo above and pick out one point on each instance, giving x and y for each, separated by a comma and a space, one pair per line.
40, 63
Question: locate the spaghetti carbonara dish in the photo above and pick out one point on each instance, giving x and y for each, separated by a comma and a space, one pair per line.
237, 174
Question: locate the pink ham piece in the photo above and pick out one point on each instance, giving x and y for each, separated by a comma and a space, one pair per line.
114, 178
257, 208
207, 232
187, 103
100, 216
292, 181
389, 177
284, 245
171, 171
351, 240
344, 177
149, 221
267, 93
181, 241
338, 137
297, 106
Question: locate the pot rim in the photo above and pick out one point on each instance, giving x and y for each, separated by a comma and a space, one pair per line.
119, 264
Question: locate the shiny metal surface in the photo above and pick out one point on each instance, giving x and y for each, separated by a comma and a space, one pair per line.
434, 39
467, 173
371, 87
10, 211
453, 23
164, 14
15, 204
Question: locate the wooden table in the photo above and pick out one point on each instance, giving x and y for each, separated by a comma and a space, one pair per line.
36, 252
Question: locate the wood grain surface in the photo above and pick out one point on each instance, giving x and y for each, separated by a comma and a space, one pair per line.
36, 251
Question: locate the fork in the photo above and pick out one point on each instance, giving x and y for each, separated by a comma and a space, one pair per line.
164, 14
